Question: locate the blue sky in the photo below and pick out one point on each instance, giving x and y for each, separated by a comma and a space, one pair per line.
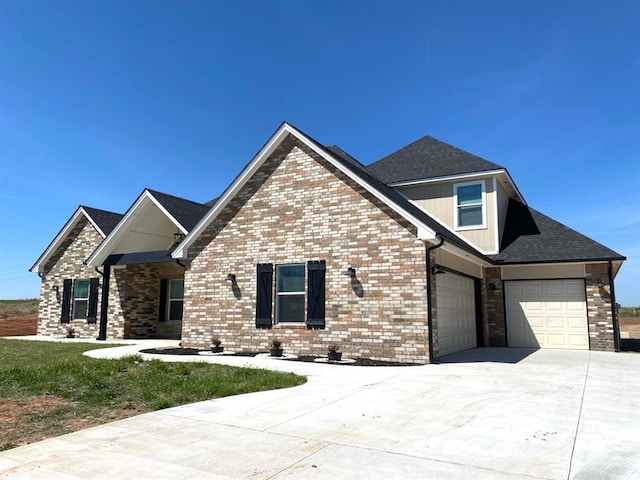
100, 99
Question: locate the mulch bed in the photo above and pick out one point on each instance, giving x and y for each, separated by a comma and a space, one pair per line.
362, 362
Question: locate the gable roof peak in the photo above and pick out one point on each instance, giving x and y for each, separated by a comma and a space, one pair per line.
426, 158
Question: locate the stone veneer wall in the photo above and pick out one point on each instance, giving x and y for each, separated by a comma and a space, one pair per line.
493, 309
66, 262
297, 208
599, 308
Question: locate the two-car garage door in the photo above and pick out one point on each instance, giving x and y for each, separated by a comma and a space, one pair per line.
546, 314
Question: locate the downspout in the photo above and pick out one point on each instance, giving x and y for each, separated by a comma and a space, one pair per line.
429, 303
614, 310
184, 267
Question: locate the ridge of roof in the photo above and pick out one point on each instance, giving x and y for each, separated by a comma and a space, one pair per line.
428, 157
532, 237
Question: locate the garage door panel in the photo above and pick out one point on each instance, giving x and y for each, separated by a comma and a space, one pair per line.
456, 313
556, 322
533, 288
554, 317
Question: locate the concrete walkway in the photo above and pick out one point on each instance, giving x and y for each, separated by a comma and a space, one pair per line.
481, 414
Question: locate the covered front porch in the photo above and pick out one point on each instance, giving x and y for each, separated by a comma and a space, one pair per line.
145, 297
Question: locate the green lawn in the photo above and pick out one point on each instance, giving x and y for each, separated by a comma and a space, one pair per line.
51, 388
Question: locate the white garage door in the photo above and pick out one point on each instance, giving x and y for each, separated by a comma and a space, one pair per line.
456, 314
547, 314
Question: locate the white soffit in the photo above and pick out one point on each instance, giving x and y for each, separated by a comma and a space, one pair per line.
111, 242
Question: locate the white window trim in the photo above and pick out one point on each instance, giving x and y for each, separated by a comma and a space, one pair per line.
285, 294
456, 206
171, 299
80, 299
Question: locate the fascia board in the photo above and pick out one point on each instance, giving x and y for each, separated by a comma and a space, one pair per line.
181, 251
459, 252
461, 177
446, 178
59, 238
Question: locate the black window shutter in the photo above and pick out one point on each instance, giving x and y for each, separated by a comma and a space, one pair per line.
162, 307
92, 312
66, 301
315, 294
264, 295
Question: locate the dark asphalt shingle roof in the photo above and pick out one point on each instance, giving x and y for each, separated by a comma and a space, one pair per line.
359, 169
531, 237
428, 158
105, 220
186, 212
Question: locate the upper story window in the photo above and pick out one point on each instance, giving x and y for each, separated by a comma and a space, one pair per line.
470, 205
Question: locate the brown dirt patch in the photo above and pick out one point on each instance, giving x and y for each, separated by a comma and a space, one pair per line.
31, 419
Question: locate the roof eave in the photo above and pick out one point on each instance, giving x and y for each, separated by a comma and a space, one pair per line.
499, 262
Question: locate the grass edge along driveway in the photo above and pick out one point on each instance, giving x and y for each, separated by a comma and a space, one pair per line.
49, 389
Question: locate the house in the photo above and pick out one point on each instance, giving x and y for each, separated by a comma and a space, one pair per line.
127, 258
426, 252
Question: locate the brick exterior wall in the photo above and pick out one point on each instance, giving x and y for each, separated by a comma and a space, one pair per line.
297, 208
493, 309
134, 292
66, 262
599, 308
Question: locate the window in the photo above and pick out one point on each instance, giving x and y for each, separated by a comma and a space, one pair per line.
80, 298
469, 205
176, 299
290, 293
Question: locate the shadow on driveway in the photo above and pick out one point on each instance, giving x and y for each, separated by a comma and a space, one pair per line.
489, 354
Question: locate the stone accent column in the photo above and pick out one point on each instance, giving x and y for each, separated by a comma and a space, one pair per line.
494, 317
433, 305
599, 308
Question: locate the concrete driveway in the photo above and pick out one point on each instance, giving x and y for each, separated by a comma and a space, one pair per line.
481, 414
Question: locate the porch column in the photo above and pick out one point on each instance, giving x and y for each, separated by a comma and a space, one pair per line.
104, 304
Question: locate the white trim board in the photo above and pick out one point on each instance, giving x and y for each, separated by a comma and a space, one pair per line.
181, 251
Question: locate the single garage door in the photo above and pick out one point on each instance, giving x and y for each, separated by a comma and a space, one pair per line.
547, 314
455, 297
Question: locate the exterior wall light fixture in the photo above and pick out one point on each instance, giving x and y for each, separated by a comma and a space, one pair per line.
231, 277
351, 272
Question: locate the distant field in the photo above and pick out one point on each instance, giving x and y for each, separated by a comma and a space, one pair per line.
19, 308
18, 317
629, 314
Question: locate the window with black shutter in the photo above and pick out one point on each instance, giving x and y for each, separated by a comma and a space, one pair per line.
66, 301
92, 313
316, 294
264, 296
